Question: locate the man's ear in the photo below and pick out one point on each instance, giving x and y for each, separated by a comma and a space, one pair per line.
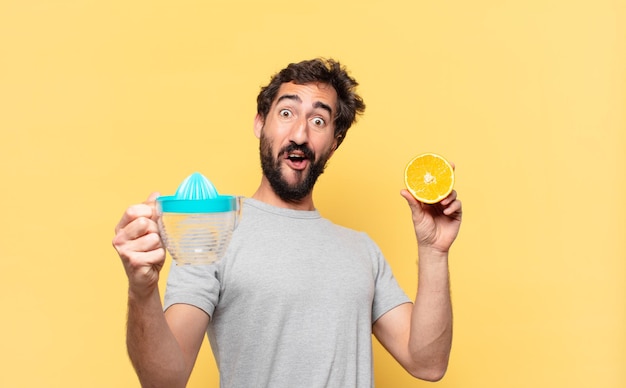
258, 125
333, 148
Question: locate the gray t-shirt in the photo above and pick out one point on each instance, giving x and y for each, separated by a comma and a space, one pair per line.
293, 301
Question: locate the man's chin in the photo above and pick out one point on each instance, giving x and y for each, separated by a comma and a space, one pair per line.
294, 177
293, 188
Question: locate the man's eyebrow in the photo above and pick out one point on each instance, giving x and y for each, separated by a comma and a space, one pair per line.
295, 97
319, 104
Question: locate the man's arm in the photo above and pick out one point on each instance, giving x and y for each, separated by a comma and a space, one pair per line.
419, 336
162, 346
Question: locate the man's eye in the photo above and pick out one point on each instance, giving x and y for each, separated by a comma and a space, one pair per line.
285, 113
318, 121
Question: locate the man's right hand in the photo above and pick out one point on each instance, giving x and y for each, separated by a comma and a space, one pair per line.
139, 245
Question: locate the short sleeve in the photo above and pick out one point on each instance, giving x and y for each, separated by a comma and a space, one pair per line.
387, 292
195, 285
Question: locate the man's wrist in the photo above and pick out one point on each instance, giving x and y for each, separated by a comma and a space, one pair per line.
431, 253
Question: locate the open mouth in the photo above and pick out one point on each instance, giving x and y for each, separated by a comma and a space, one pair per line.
297, 159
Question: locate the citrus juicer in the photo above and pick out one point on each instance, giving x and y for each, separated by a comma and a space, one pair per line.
196, 224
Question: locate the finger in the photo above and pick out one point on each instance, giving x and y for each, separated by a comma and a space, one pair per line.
138, 228
410, 199
152, 198
145, 243
132, 213
151, 201
153, 257
138, 260
130, 248
139, 235
449, 199
417, 208
454, 208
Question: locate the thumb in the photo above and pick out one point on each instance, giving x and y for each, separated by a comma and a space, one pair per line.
415, 205
152, 198
410, 199
151, 201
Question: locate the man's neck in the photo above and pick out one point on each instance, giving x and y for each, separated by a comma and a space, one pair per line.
266, 194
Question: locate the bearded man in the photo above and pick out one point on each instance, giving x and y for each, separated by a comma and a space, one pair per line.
296, 298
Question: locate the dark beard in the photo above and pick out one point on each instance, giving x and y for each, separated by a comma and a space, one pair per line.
271, 170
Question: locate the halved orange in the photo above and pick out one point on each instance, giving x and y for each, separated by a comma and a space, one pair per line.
429, 178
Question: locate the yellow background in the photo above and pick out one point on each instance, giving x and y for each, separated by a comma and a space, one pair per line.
102, 102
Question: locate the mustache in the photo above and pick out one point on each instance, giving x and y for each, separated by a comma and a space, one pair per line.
308, 153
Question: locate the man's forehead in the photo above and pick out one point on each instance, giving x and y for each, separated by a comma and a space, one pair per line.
315, 91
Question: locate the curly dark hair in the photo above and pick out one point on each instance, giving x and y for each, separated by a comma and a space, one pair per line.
328, 71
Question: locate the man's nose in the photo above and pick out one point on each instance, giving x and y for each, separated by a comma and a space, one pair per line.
300, 132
